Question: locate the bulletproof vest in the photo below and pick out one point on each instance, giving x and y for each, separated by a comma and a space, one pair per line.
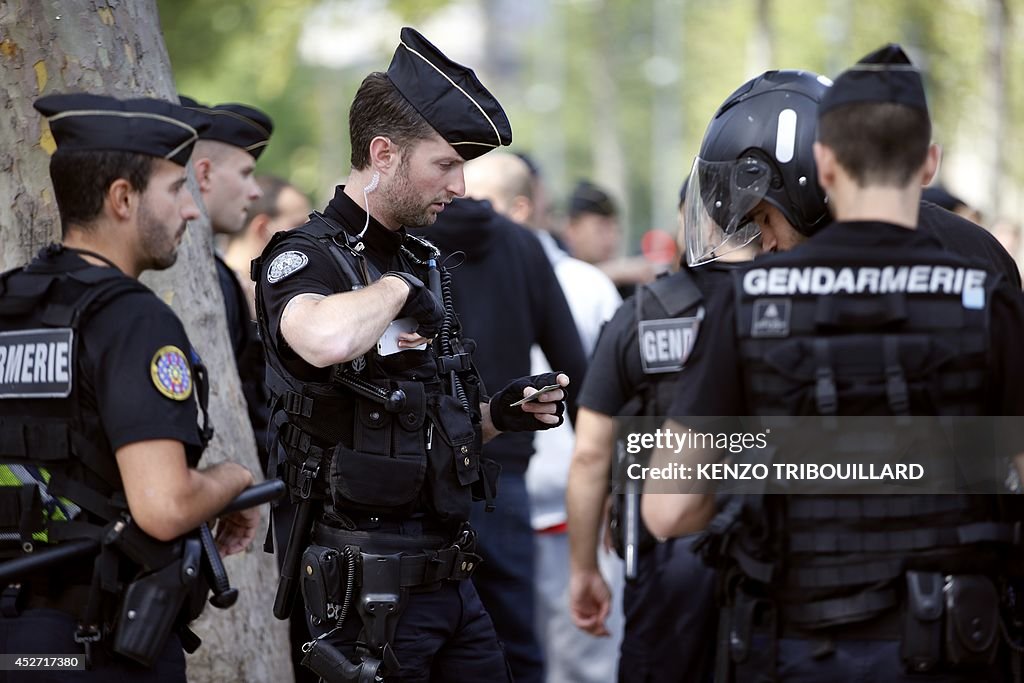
668, 315
58, 474
381, 435
832, 331
829, 331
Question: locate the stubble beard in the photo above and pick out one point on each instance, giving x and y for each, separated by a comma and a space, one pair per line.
160, 249
404, 206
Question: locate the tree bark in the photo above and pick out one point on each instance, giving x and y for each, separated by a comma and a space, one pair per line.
116, 47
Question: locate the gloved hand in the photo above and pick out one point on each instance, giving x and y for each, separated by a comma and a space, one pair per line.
521, 418
421, 304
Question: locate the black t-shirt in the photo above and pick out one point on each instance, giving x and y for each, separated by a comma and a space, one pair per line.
616, 371
135, 368
713, 375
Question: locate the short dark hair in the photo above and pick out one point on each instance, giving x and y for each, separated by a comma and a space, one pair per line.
379, 109
877, 143
589, 198
81, 179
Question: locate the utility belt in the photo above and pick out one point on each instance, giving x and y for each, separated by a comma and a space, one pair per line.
943, 623
372, 572
423, 561
132, 618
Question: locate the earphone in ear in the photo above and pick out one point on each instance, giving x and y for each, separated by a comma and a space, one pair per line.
374, 181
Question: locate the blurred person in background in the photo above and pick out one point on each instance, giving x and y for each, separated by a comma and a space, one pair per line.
593, 233
512, 186
503, 262
281, 206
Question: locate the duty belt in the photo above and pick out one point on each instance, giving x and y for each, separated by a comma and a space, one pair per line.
428, 566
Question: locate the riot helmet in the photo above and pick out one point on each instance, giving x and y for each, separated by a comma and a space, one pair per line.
758, 146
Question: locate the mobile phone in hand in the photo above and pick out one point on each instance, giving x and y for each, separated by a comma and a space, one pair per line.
536, 397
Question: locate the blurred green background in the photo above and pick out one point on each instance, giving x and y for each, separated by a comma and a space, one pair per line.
618, 91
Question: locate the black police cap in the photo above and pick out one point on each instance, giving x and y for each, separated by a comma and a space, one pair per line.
884, 76
587, 197
99, 123
449, 96
235, 124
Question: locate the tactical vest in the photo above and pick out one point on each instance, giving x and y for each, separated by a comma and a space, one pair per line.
836, 331
58, 474
668, 315
386, 436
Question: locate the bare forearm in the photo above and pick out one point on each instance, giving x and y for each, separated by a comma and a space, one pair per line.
585, 496
676, 507
588, 485
212, 488
167, 509
340, 327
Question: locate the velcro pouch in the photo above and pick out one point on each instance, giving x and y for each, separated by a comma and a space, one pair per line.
373, 482
457, 432
321, 581
972, 619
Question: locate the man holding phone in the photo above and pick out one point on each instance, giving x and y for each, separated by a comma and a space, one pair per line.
383, 451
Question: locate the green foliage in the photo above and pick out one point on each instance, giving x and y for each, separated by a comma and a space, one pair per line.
246, 50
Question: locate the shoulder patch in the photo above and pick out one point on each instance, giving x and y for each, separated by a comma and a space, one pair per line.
171, 374
286, 264
666, 344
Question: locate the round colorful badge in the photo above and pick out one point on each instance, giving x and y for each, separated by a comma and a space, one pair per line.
171, 374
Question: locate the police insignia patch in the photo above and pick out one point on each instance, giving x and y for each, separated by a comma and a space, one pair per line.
285, 264
171, 374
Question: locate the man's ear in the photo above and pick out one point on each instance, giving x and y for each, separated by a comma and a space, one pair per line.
825, 161
121, 199
203, 168
383, 154
931, 164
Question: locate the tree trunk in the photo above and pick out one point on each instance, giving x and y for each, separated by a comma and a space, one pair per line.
997, 21
116, 47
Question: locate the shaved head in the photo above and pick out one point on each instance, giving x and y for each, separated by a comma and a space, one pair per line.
500, 178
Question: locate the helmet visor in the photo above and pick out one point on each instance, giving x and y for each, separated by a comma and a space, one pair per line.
719, 199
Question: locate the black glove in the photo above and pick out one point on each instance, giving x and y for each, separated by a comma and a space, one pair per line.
515, 419
421, 304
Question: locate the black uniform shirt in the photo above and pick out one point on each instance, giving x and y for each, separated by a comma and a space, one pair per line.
236, 308
135, 367
616, 371
320, 274
713, 380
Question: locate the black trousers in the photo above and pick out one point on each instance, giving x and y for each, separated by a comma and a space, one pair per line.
51, 632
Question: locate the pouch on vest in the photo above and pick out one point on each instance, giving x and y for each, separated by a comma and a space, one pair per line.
454, 445
376, 483
375, 475
972, 619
